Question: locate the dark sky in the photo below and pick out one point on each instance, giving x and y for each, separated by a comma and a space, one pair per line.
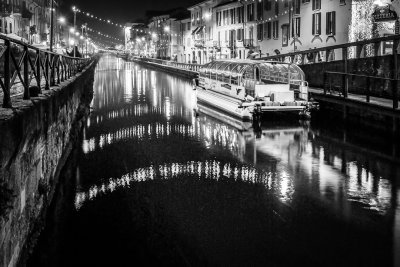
120, 11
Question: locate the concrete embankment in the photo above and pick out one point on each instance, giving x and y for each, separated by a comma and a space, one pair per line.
170, 69
36, 138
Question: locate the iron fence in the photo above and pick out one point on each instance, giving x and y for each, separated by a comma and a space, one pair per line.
29, 65
338, 81
183, 66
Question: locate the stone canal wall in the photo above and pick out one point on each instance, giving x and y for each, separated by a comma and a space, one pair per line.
36, 137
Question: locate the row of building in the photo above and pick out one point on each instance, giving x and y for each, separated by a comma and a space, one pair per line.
30, 21
27, 20
216, 29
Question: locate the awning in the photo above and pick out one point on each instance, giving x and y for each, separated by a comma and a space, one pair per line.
195, 31
198, 30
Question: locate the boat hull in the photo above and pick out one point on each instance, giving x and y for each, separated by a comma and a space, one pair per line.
226, 104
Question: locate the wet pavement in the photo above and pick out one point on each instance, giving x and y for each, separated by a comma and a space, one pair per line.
154, 184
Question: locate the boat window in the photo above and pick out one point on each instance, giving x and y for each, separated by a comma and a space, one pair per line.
227, 77
234, 79
249, 73
233, 71
213, 74
257, 73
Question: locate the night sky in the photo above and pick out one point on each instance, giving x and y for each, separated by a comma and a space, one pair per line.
119, 11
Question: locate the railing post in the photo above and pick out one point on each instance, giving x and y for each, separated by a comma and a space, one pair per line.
7, 96
325, 81
344, 89
38, 72
52, 70
368, 93
395, 94
26, 74
47, 87
345, 79
359, 49
395, 83
58, 64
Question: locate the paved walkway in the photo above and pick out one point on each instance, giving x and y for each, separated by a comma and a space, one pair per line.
376, 101
18, 89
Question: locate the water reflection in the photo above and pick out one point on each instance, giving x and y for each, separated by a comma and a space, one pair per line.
318, 198
299, 157
200, 170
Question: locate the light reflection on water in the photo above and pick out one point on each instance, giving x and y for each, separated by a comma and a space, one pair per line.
300, 162
201, 170
294, 162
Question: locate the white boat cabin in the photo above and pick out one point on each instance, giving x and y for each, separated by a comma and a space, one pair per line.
267, 81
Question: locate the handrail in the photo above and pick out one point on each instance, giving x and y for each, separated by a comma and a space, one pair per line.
183, 66
395, 96
333, 47
32, 63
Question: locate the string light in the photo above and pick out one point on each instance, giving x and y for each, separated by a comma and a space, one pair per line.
92, 16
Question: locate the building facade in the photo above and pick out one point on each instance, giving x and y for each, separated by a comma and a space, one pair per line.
240, 29
202, 23
185, 41
236, 29
298, 25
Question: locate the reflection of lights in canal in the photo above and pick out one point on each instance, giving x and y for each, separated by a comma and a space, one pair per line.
200, 170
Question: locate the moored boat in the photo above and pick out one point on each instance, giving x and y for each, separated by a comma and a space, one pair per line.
243, 88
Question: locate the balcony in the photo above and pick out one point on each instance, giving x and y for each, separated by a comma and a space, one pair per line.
248, 43
217, 44
199, 43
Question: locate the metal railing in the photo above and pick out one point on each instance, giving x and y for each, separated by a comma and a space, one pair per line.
32, 65
354, 50
183, 66
330, 85
199, 43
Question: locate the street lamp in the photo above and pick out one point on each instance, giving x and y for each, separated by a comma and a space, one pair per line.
51, 25
74, 9
71, 31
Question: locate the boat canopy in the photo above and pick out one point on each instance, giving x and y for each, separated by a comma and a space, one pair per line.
263, 71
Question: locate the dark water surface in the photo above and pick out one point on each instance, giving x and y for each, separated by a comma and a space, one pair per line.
152, 184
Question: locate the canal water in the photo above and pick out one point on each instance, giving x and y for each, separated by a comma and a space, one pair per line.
155, 183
